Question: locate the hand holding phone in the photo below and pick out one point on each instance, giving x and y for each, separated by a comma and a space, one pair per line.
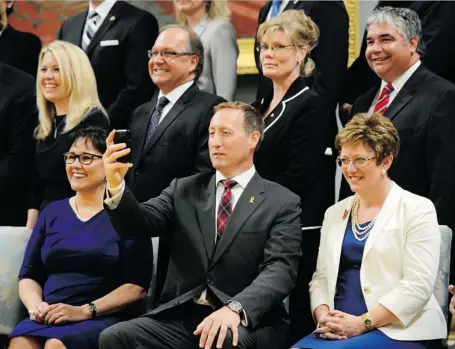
124, 136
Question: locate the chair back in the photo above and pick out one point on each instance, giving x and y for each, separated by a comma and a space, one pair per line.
13, 241
441, 286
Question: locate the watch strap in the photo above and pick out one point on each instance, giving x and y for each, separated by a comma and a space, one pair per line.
367, 322
92, 308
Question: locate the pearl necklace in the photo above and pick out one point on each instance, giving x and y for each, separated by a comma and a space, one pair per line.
361, 233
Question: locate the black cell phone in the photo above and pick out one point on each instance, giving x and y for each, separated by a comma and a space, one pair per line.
124, 136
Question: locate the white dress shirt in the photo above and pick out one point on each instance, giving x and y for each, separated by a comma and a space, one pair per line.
102, 10
173, 97
283, 5
397, 85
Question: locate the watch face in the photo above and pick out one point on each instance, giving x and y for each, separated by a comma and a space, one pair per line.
368, 323
235, 306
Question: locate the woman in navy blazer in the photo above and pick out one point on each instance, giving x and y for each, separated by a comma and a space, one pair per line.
295, 151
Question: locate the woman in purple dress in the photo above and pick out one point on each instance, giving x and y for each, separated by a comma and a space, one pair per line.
79, 276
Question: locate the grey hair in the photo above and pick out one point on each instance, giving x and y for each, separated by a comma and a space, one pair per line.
194, 45
405, 20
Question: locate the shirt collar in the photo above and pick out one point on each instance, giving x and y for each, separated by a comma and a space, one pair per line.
399, 82
103, 9
176, 93
242, 179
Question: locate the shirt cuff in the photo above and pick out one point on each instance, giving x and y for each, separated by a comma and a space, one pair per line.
244, 318
114, 196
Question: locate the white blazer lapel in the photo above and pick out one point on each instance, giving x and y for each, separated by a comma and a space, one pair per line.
388, 209
335, 241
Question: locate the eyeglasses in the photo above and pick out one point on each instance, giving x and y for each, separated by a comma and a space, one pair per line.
274, 49
168, 54
357, 162
84, 158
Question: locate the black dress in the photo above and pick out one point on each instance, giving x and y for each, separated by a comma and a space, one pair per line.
297, 153
50, 180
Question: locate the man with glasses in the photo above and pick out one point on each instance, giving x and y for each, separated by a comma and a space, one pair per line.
116, 36
169, 134
420, 104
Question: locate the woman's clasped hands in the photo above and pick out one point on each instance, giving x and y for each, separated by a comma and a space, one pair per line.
337, 325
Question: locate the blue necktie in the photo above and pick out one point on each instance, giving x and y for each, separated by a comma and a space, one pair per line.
275, 8
155, 119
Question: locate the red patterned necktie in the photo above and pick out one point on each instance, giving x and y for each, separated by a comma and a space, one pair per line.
224, 208
383, 100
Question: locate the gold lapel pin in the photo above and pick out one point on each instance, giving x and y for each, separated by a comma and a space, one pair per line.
345, 214
252, 200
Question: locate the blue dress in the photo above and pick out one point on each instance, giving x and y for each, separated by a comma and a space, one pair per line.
76, 263
349, 299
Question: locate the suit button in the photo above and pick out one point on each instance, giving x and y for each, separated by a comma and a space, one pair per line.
210, 281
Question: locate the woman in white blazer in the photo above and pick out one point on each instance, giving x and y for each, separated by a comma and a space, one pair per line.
378, 255
210, 20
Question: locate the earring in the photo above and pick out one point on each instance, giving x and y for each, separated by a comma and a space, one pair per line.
383, 172
298, 63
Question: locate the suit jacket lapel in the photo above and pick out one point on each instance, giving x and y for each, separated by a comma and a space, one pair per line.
265, 12
141, 123
77, 28
406, 93
206, 215
242, 211
388, 209
175, 111
363, 103
107, 23
201, 27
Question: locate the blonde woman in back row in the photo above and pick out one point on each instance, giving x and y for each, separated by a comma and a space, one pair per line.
67, 98
210, 20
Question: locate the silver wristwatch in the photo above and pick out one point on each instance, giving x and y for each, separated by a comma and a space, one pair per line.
235, 306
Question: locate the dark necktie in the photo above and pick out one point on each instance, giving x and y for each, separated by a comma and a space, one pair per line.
91, 29
155, 119
383, 101
275, 8
224, 208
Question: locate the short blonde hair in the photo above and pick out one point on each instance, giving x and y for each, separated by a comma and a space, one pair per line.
215, 9
78, 81
302, 31
375, 131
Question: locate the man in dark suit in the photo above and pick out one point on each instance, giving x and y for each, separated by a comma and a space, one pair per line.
235, 246
421, 106
17, 49
172, 144
437, 31
18, 118
331, 53
116, 37
170, 140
